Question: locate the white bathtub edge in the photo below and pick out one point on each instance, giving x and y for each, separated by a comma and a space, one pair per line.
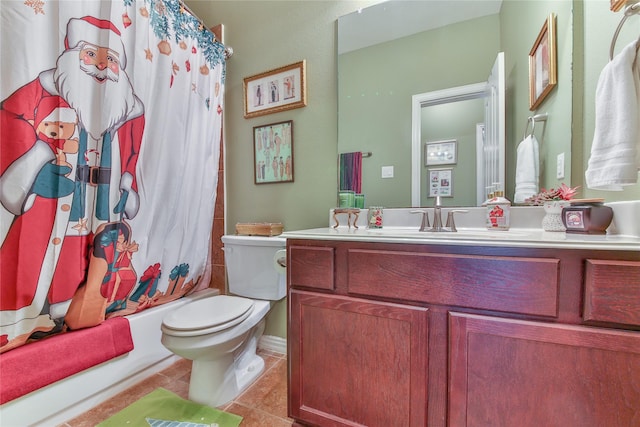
70, 397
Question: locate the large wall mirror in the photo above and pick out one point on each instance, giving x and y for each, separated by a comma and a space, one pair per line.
439, 45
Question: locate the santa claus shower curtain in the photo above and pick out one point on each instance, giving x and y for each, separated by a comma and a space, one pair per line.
109, 146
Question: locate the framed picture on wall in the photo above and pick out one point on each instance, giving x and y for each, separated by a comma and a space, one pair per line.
273, 153
543, 73
441, 152
276, 90
440, 182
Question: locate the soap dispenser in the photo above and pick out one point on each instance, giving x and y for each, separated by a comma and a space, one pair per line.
498, 213
489, 194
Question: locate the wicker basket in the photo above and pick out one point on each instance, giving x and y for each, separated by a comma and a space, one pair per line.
259, 228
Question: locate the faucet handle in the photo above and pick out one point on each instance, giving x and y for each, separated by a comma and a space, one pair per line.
451, 225
425, 218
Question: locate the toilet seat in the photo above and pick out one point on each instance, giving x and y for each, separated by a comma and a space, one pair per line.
207, 315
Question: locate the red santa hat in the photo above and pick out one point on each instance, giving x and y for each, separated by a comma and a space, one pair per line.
54, 109
99, 32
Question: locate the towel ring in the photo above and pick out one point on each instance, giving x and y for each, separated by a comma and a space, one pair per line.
630, 10
533, 120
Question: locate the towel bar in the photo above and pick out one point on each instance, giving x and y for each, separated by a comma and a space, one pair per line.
630, 10
533, 120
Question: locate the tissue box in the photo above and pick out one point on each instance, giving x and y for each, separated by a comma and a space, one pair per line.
259, 228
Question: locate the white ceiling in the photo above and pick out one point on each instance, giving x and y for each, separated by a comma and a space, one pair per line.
393, 19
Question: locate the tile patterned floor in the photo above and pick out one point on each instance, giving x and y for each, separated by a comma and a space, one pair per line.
263, 404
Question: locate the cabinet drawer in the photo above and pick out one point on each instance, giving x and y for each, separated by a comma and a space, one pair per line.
509, 284
311, 267
612, 291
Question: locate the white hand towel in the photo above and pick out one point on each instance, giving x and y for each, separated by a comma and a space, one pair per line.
616, 141
527, 169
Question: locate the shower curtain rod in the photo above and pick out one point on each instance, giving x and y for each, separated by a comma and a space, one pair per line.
228, 50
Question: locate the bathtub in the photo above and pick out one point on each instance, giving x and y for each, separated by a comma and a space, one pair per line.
67, 398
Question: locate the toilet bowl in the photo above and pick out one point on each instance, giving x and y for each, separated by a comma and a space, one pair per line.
220, 333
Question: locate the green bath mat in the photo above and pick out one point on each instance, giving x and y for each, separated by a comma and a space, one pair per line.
163, 408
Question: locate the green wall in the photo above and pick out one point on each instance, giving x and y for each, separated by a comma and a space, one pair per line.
453, 120
267, 35
525, 19
585, 30
270, 34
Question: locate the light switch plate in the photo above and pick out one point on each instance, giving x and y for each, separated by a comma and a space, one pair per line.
560, 166
387, 171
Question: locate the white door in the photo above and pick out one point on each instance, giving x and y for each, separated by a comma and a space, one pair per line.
493, 158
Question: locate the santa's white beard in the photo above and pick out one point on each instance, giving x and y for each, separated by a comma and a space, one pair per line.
100, 107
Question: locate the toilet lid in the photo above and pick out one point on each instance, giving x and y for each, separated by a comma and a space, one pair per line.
209, 312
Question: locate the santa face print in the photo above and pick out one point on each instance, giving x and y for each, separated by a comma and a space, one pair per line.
80, 82
99, 62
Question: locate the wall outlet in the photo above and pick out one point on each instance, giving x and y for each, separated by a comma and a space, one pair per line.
387, 171
560, 166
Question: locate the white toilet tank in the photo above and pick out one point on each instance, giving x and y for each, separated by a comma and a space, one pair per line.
255, 266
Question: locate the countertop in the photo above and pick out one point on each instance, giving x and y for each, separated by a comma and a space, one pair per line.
514, 237
401, 226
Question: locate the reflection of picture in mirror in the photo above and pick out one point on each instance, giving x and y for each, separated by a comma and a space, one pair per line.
440, 182
543, 73
440, 152
542, 65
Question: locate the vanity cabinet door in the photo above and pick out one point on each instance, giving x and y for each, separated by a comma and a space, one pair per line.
612, 292
507, 372
356, 362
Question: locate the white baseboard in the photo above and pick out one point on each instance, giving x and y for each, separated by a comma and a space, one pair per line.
273, 343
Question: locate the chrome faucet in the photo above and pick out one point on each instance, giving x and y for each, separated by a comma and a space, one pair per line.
437, 218
437, 215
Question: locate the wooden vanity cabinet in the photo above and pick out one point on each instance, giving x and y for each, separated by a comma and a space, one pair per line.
506, 372
386, 334
359, 361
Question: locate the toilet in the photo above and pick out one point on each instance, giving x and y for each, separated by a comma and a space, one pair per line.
220, 333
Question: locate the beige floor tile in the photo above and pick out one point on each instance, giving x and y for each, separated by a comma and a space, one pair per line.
263, 404
178, 371
269, 394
